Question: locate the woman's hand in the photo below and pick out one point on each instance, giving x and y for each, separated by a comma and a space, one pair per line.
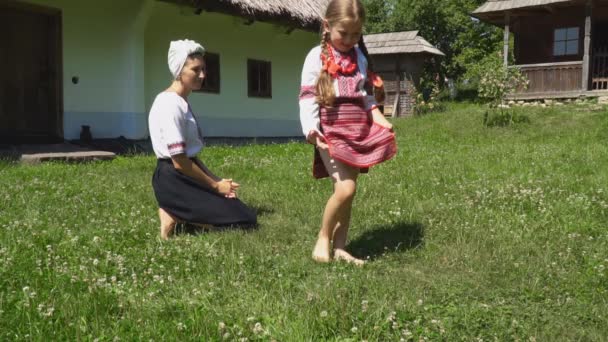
234, 186
227, 188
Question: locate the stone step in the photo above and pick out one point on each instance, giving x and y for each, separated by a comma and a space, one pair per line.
37, 153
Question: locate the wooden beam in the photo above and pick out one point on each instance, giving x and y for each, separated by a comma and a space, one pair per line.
586, 55
545, 65
506, 39
549, 9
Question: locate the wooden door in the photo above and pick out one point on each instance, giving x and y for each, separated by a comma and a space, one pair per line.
30, 88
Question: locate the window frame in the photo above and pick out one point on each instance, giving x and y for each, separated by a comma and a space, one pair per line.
254, 66
566, 40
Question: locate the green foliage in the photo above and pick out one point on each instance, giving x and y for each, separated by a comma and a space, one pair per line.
447, 24
431, 102
502, 117
496, 81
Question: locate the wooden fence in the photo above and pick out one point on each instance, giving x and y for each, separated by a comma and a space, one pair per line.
550, 78
599, 69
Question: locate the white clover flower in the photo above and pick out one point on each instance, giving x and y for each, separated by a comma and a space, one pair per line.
257, 328
364, 305
323, 313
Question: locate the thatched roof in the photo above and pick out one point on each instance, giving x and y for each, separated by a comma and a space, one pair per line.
304, 14
399, 42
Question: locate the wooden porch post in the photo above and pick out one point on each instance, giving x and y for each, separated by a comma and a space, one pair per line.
506, 38
586, 55
396, 110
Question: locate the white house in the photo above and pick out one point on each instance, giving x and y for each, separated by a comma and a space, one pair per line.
69, 63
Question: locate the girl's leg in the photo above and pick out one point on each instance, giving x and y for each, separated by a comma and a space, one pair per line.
167, 223
337, 209
340, 233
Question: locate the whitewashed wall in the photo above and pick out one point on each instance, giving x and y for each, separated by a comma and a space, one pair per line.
232, 112
118, 50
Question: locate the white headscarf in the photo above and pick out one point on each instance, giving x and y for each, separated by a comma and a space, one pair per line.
179, 50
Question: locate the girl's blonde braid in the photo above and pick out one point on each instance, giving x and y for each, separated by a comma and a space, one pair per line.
325, 86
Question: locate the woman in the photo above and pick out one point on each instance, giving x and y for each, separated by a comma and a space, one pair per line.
186, 190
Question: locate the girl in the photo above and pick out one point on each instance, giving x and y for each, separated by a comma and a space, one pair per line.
342, 120
186, 190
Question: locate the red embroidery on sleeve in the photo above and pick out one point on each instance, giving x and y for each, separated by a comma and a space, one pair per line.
177, 148
307, 92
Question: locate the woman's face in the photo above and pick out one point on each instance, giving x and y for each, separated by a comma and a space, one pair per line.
193, 72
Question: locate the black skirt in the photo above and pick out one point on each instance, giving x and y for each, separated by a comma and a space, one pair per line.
189, 201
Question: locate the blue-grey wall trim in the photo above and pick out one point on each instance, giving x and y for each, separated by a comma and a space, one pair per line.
241, 127
135, 126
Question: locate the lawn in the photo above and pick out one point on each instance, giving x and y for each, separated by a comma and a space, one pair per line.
472, 233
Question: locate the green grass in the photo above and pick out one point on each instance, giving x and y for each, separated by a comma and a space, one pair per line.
473, 233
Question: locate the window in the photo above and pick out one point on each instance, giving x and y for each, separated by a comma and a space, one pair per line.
566, 41
259, 79
211, 84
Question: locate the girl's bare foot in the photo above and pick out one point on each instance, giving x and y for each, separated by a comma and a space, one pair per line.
340, 254
321, 253
167, 224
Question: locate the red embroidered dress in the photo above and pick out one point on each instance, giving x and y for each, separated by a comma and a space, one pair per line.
351, 134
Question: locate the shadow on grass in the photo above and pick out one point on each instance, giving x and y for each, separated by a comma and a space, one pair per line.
191, 229
262, 210
184, 228
398, 237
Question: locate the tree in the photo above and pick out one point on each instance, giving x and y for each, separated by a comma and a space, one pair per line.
447, 24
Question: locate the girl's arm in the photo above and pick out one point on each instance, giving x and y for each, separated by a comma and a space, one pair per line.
379, 118
309, 108
368, 97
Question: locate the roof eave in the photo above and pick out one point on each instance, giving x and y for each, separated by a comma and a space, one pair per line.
496, 17
420, 52
491, 18
306, 24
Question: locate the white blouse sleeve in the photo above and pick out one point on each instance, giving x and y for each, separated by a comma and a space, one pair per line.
369, 99
173, 127
309, 108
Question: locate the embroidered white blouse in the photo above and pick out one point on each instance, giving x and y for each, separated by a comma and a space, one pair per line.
173, 128
344, 87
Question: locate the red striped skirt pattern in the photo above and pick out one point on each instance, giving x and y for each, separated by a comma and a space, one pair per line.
353, 138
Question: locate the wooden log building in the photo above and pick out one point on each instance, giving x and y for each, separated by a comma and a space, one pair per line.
399, 57
560, 45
